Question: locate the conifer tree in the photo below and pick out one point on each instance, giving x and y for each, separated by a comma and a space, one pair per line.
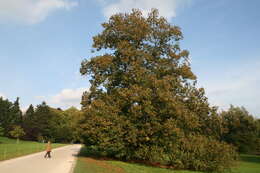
16, 113
29, 122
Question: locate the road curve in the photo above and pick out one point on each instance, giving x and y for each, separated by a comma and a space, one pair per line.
62, 161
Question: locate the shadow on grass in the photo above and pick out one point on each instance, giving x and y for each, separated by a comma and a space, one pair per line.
250, 158
88, 152
92, 152
90, 161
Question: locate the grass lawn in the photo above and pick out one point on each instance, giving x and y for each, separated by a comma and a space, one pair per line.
89, 164
86, 165
9, 149
248, 164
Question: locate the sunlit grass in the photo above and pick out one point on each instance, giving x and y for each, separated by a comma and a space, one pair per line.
10, 149
248, 164
86, 164
138, 168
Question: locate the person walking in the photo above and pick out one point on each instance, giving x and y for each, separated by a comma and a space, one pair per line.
48, 150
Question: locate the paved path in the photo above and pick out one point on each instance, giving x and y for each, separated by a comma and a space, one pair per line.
62, 161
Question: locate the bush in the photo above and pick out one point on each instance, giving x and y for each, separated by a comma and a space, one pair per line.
201, 153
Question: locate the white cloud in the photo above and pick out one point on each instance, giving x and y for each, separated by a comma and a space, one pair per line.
2, 95
31, 11
167, 8
67, 98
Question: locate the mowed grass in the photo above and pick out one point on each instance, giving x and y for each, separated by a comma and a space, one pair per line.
247, 164
87, 164
10, 149
138, 168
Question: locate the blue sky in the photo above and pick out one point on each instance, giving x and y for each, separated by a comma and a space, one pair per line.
42, 43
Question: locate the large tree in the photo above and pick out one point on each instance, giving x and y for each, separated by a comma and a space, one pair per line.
143, 97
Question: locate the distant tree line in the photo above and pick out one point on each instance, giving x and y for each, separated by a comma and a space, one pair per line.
40, 123
240, 129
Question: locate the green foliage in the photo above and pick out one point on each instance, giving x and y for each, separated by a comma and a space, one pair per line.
17, 132
10, 114
258, 136
143, 97
74, 116
1, 131
40, 138
46, 123
40, 123
29, 123
201, 153
241, 129
37, 122
16, 113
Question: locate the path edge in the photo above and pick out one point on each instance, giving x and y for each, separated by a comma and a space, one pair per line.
30, 155
75, 161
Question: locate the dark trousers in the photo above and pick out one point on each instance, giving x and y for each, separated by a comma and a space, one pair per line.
48, 154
